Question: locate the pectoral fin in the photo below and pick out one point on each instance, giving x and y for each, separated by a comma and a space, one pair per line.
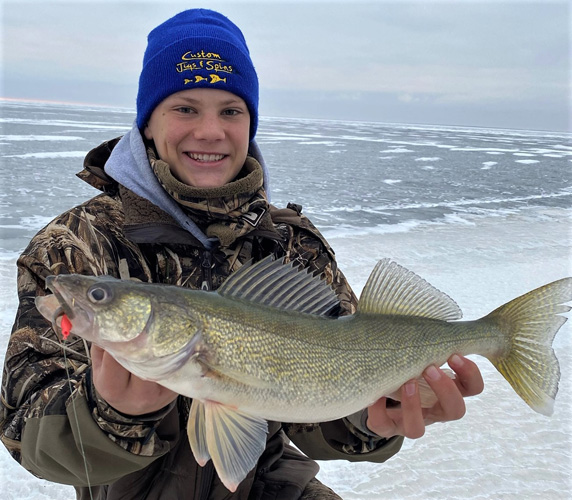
231, 438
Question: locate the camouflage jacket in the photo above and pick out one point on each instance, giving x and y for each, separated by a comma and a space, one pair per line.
52, 420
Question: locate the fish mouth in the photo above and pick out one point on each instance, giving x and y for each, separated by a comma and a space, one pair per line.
54, 306
64, 307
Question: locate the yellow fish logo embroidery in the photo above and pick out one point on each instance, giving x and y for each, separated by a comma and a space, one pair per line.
216, 79
196, 80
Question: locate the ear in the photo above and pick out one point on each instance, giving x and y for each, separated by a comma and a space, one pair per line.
147, 132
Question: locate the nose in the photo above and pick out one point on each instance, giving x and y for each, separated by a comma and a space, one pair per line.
209, 128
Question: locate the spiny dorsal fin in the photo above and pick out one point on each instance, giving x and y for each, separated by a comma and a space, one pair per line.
275, 284
392, 289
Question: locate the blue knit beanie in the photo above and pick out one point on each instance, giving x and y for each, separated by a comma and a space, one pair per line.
197, 48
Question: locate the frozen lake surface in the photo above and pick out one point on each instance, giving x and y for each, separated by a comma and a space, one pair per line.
483, 215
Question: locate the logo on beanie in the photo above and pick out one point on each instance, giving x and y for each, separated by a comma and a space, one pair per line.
204, 61
198, 79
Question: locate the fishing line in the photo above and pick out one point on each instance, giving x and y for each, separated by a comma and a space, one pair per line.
77, 423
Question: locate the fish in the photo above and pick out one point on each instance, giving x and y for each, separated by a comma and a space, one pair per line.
266, 346
216, 79
197, 79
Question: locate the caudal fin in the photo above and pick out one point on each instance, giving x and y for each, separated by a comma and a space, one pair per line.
531, 322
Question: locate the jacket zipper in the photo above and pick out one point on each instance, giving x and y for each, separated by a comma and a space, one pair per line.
206, 270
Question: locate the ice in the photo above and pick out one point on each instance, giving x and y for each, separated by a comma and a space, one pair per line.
481, 247
56, 138
53, 154
321, 143
397, 150
487, 150
501, 448
488, 164
526, 162
65, 123
564, 193
557, 149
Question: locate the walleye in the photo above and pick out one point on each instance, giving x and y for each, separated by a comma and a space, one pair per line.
262, 347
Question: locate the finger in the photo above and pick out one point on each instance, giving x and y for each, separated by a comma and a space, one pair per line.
114, 372
109, 377
96, 354
451, 405
469, 378
413, 420
378, 420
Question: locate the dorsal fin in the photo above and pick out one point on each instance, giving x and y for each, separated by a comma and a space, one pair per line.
275, 284
392, 289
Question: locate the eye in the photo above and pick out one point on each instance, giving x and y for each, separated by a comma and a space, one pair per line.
99, 294
231, 112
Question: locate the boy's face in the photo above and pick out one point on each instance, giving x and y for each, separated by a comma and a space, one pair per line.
203, 134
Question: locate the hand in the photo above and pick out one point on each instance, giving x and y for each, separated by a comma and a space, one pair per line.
409, 419
124, 391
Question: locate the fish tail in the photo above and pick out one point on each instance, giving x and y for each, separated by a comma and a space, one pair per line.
530, 322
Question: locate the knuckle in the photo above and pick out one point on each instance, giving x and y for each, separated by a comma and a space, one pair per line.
458, 412
379, 428
415, 433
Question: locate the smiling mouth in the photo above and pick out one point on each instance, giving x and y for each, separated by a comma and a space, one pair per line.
205, 157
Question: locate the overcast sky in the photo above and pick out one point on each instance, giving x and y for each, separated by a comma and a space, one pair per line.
477, 63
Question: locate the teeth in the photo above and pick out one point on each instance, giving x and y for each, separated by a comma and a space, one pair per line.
202, 157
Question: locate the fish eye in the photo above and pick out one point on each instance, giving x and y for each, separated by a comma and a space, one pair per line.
98, 294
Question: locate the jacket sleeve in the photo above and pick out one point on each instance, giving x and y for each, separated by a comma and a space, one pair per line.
51, 419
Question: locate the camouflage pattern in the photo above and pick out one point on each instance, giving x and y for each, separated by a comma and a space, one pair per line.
119, 234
